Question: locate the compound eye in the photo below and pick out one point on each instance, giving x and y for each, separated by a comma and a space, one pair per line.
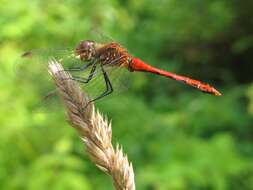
85, 49
85, 45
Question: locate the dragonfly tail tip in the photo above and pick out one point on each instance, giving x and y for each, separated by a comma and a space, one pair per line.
217, 93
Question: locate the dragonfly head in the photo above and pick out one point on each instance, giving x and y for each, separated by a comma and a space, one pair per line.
85, 50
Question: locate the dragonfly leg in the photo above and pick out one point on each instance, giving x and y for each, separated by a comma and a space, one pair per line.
109, 88
76, 78
82, 79
79, 68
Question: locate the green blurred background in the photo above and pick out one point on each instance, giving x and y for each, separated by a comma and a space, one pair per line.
176, 137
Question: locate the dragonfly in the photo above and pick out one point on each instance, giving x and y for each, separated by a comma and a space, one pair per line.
114, 55
100, 60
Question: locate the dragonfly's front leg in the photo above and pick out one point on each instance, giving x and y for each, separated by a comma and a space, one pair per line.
82, 68
85, 80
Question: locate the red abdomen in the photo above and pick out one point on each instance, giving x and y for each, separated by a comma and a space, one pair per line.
138, 65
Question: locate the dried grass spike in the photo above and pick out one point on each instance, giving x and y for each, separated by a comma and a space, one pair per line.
94, 129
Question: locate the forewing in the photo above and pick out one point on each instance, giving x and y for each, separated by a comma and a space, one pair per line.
32, 73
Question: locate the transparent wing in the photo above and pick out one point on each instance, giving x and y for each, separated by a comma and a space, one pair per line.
32, 73
98, 36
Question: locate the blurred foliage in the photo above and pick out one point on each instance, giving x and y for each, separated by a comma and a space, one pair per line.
176, 137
